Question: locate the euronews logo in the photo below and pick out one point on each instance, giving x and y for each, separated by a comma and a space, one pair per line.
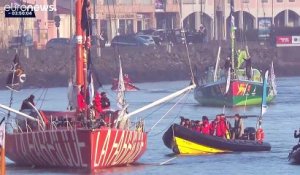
26, 11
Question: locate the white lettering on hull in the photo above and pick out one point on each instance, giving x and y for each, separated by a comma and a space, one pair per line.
125, 147
50, 148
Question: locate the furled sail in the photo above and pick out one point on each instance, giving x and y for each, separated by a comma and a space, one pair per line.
17, 75
264, 96
122, 119
273, 80
121, 88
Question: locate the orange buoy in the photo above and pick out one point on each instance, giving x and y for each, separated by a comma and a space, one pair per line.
260, 135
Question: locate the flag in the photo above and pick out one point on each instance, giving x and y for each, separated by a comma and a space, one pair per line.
264, 95
232, 19
17, 75
86, 17
228, 80
121, 88
273, 79
91, 89
2, 146
241, 58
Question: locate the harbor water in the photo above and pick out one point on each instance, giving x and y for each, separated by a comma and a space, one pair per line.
279, 123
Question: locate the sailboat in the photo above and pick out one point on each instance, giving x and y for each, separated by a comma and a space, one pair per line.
129, 86
72, 139
241, 87
185, 140
78, 139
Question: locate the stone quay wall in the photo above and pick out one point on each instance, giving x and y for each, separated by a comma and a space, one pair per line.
52, 68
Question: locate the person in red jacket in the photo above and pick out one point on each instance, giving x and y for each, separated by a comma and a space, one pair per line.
97, 104
219, 125
212, 127
105, 103
225, 126
81, 100
197, 126
205, 127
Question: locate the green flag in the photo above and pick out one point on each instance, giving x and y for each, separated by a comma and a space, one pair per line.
242, 56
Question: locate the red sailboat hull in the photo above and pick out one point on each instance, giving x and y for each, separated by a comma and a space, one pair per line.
76, 148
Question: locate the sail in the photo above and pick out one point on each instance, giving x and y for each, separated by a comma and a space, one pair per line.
72, 95
273, 80
217, 65
17, 75
264, 95
232, 19
121, 88
2, 146
228, 80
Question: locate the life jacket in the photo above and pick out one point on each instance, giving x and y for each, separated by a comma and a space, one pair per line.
80, 101
97, 104
260, 135
205, 127
212, 127
197, 128
221, 128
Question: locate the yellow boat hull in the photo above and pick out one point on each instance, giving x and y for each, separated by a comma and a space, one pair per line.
191, 148
182, 140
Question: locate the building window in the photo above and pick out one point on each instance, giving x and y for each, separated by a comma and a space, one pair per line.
188, 1
146, 2
245, 1
291, 0
125, 1
125, 26
264, 1
109, 2
279, 0
202, 1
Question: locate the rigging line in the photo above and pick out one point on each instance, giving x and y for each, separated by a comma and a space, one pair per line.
116, 49
11, 92
161, 106
115, 22
185, 41
162, 163
43, 99
174, 118
168, 111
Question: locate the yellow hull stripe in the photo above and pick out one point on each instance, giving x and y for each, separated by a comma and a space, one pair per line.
188, 147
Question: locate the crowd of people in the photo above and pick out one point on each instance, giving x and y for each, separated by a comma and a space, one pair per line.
219, 127
100, 108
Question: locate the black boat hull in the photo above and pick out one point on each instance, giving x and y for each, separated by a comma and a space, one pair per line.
295, 157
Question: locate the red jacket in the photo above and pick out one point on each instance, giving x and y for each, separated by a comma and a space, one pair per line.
97, 103
205, 127
221, 128
80, 102
197, 128
212, 127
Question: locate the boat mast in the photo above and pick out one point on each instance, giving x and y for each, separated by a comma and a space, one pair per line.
232, 34
79, 45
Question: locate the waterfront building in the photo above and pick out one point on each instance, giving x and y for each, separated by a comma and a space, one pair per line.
130, 16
